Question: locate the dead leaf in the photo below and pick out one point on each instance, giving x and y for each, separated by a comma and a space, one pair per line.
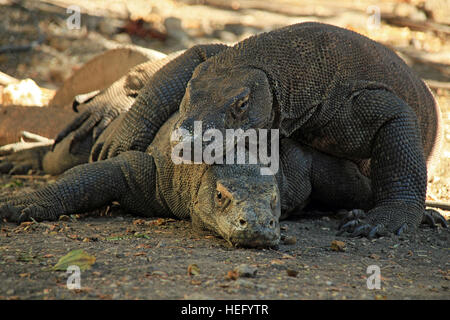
76, 257
193, 270
338, 246
374, 256
157, 222
139, 222
143, 246
232, 275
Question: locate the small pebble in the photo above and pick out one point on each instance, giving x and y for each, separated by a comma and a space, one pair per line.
244, 270
290, 240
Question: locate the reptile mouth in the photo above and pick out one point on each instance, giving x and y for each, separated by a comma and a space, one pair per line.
255, 243
255, 240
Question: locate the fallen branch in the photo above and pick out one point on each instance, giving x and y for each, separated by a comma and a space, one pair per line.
415, 24
437, 84
7, 79
39, 141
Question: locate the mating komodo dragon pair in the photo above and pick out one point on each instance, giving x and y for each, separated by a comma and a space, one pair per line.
358, 129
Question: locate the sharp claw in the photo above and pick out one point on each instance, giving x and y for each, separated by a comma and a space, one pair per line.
403, 228
442, 221
361, 231
75, 105
429, 220
432, 218
378, 230
350, 224
355, 214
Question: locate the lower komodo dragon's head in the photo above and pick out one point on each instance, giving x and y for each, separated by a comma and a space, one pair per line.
235, 201
239, 204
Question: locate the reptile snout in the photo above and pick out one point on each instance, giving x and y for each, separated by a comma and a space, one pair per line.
255, 229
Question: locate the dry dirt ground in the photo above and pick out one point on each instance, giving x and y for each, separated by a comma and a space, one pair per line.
165, 259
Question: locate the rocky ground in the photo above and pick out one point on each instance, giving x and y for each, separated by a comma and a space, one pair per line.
161, 258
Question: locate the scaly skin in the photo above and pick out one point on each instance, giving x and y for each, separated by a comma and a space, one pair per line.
330, 88
338, 92
233, 201
360, 113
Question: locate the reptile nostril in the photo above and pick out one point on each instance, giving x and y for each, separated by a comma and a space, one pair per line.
272, 223
242, 222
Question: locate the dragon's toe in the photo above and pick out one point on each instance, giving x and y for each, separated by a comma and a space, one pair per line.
351, 219
433, 218
362, 230
403, 229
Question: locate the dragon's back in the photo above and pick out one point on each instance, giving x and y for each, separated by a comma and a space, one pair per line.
314, 68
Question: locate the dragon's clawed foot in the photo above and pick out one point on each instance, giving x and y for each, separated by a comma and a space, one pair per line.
356, 225
433, 218
25, 208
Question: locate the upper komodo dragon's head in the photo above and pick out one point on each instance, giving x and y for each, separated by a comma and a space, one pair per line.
237, 98
239, 204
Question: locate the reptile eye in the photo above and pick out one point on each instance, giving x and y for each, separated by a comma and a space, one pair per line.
243, 106
239, 108
220, 199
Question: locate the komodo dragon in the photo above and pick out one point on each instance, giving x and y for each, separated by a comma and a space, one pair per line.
233, 201
101, 109
330, 88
